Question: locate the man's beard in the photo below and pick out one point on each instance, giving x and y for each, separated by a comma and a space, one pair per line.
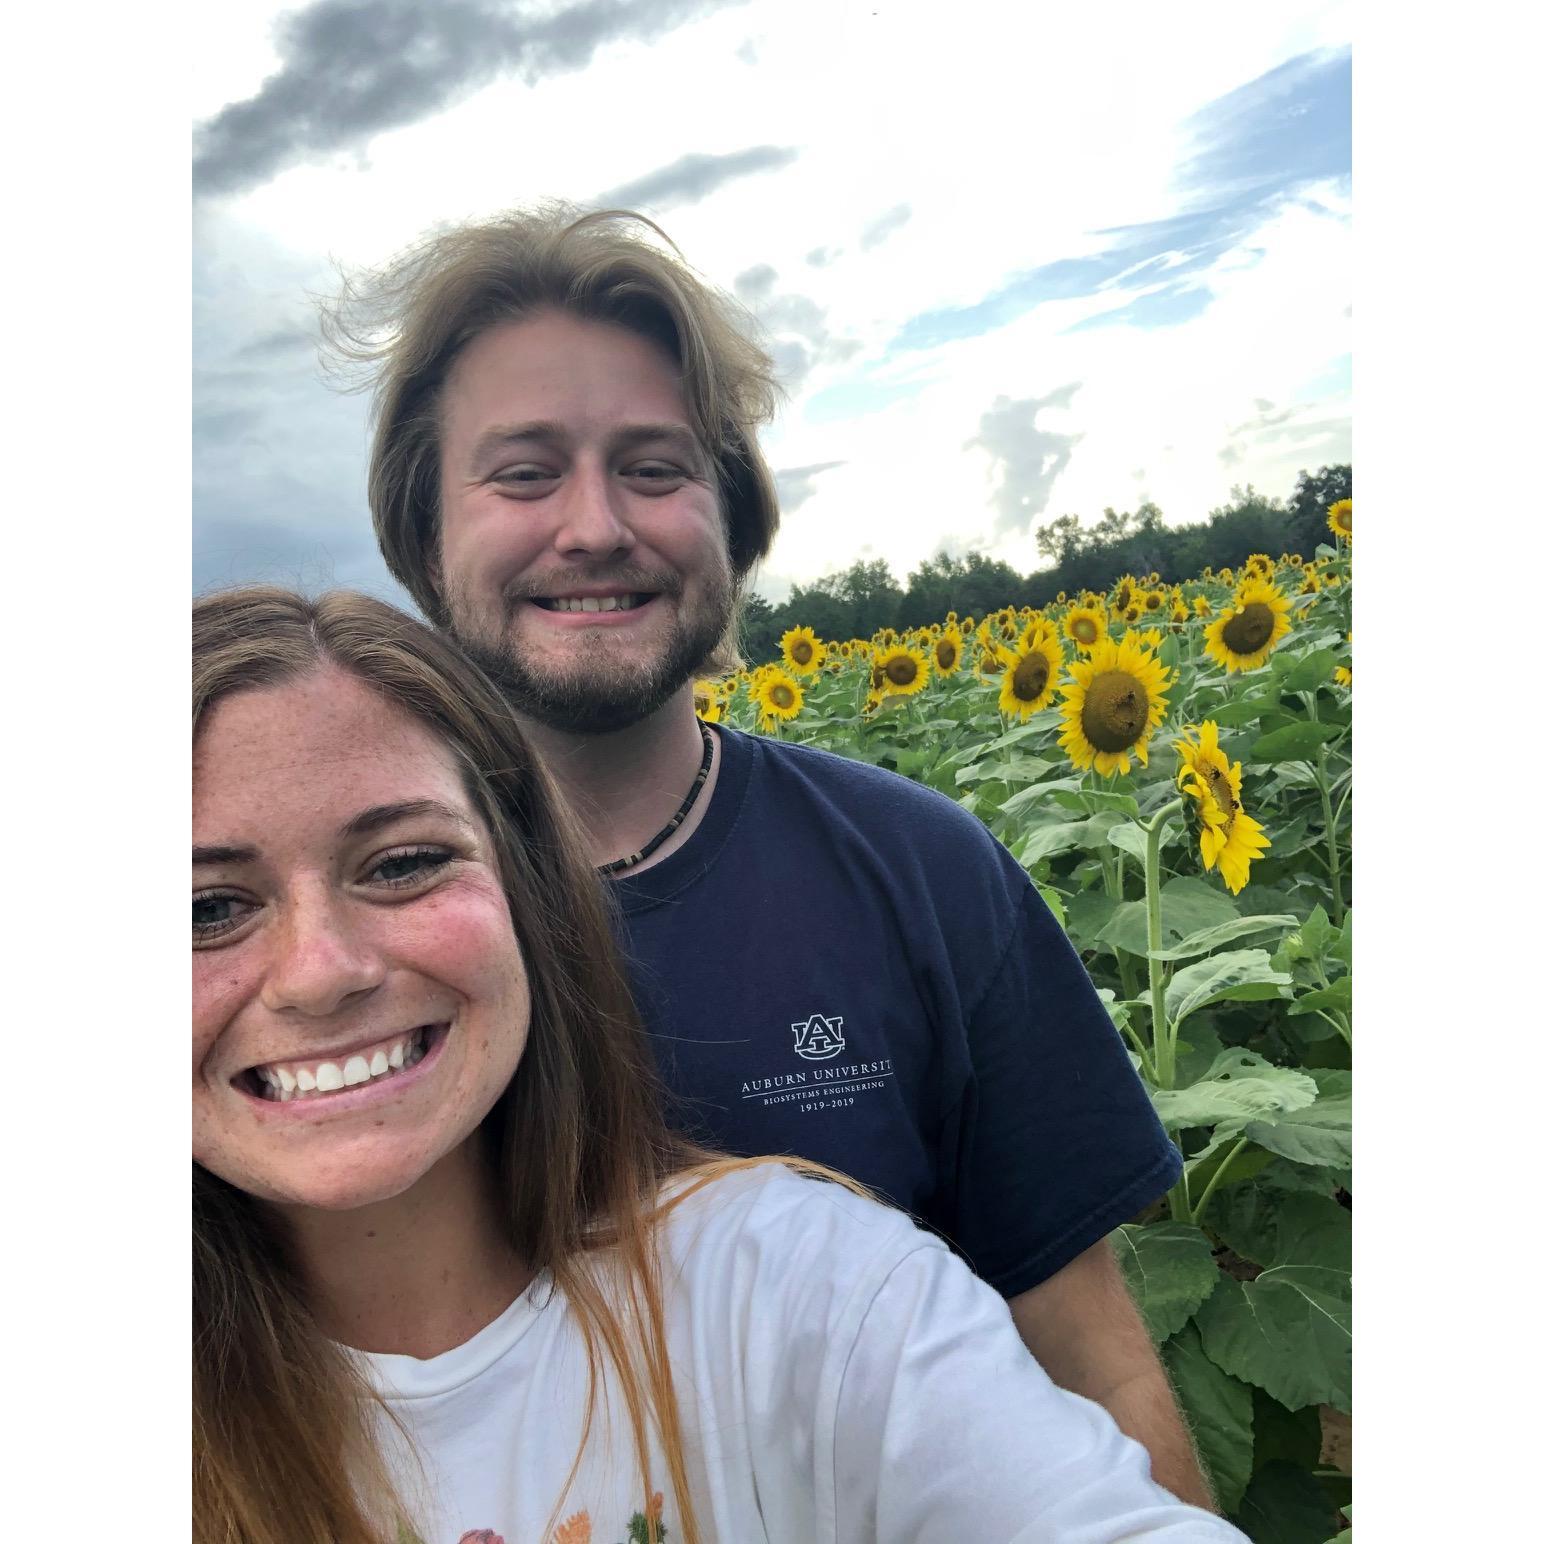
597, 694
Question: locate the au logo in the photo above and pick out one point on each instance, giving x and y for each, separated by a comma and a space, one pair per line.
818, 1038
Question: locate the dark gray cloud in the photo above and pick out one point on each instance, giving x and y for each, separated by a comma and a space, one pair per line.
694, 176
885, 226
278, 474
350, 69
1028, 458
796, 483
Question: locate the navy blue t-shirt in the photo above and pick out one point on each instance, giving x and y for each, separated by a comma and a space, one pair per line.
844, 965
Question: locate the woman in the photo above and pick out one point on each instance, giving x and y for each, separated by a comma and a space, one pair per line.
455, 1280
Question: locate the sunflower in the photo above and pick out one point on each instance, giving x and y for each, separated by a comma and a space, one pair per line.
1343, 676
707, 702
1030, 672
899, 671
1259, 566
1338, 518
1243, 636
991, 658
1153, 600
778, 696
1294, 559
1310, 585
1085, 625
1121, 595
948, 650
1230, 840
1201, 606
1179, 612
1133, 610
802, 650
1112, 705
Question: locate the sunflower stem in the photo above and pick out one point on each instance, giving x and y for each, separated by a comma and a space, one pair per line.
1216, 1179
1164, 1039
1321, 770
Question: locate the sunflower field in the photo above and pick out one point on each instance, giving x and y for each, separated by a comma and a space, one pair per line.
1172, 766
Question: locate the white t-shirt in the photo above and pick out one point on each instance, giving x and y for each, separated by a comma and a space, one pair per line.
842, 1378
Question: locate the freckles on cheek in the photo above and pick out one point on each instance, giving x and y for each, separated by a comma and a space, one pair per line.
218, 989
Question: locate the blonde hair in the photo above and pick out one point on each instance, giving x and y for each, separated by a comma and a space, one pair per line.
406, 323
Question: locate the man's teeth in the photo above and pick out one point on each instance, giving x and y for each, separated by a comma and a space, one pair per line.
293, 1081
592, 602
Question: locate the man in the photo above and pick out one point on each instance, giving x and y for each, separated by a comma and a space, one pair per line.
831, 960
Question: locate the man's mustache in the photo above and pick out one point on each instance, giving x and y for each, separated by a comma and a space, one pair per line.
560, 581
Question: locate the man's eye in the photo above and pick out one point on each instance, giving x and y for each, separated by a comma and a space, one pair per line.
656, 471
523, 474
401, 869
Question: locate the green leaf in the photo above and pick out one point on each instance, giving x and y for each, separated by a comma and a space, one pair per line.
1292, 742
1220, 1410
1240, 974
1012, 769
1200, 1169
1026, 798
1319, 1133
1313, 937
1087, 913
1288, 1331
1170, 1271
1054, 901
1341, 948
1127, 927
1272, 1227
1132, 839
1289, 1436
1045, 841
1086, 801
1284, 1505
1239, 1086
1337, 996
1242, 711
1310, 671
1190, 904
1211, 937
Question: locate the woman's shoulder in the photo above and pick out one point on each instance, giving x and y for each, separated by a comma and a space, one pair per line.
765, 1220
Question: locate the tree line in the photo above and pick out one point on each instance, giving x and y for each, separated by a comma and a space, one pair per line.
861, 599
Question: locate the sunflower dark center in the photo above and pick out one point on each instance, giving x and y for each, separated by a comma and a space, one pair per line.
901, 671
1153, 601
1085, 630
1220, 789
991, 665
802, 652
1114, 711
1030, 675
781, 695
1249, 629
947, 653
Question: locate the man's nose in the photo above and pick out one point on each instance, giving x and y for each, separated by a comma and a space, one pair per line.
594, 520
322, 958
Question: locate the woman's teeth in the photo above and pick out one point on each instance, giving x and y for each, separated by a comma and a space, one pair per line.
315, 1080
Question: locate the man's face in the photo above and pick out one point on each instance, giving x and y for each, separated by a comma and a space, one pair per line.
582, 553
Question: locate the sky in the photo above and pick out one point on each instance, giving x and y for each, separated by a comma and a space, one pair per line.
1013, 262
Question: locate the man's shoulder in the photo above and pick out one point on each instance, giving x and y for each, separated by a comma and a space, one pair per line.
876, 798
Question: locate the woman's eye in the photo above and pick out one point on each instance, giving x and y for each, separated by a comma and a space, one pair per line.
217, 914
399, 869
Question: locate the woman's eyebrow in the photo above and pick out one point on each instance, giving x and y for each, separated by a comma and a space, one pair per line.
378, 815
224, 855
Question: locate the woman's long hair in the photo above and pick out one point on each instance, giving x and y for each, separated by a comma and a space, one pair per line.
283, 1445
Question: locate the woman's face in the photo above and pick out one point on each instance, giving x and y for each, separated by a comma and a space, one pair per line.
359, 999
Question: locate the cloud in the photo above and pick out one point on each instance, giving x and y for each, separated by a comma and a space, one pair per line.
1284, 429
1248, 150
354, 68
694, 176
796, 483
885, 226
1028, 458
755, 283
